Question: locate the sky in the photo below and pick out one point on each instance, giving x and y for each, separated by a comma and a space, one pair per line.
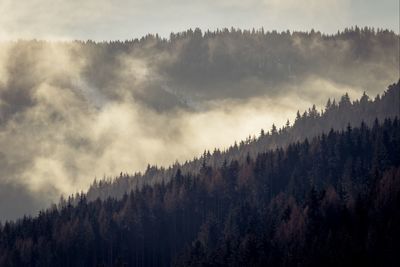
127, 19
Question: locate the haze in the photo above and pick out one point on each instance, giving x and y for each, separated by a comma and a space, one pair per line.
125, 19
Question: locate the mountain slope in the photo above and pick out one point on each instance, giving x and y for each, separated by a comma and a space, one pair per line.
311, 123
331, 201
74, 110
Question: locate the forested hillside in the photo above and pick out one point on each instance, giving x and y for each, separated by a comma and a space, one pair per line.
259, 133
336, 115
194, 66
71, 111
329, 201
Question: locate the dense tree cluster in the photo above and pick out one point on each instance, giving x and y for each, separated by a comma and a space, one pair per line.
329, 201
337, 115
222, 63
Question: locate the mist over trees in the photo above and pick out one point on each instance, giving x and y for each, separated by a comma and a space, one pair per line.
193, 66
331, 200
322, 190
70, 111
336, 115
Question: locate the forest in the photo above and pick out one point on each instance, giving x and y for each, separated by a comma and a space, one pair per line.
72, 111
328, 199
192, 66
205, 133
308, 124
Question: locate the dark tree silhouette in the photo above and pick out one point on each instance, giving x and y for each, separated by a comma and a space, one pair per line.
332, 200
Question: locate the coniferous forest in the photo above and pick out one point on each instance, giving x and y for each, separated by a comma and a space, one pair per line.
75, 111
307, 124
328, 199
212, 133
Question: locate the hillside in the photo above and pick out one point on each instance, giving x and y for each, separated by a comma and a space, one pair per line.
309, 124
330, 201
193, 67
206, 133
71, 111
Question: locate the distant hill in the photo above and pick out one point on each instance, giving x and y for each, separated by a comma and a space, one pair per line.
193, 67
